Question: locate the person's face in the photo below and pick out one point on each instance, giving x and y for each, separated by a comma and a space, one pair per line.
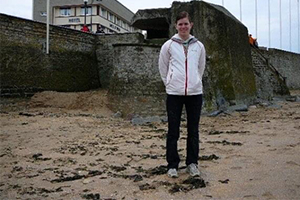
184, 26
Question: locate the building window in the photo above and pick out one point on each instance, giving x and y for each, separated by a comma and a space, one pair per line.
125, 25
111, 31
118, 21
43, 14
65, 11
103, 13
114, 27
88, 10
111, 17
66, 26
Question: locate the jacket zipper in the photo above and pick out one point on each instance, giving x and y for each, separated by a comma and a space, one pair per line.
186, 69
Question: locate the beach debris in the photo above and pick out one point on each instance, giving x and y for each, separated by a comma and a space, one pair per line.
32, 191
238, 108
194, 183
210, 157
145, 120
146, 186
188, 185
291, 98
38, 156
93, 196
17, 169
225, 142
215, 113
67, 178
77, 176
135, 177
216, 132
224, 181
117, 168
30, 114
162, 169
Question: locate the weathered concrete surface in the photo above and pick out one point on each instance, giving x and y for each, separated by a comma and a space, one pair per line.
287, 63
70, 66
105, 52
269, 81
155, 21
136, 86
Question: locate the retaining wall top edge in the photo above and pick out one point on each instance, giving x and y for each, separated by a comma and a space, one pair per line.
283, 51
44, 24
114, 34
137, 44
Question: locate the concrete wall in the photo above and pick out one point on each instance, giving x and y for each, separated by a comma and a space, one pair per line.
287, 64
70, 66
136, 86
126, 64
269, 83
105, 52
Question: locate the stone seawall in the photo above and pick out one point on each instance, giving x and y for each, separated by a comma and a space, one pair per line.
269, 83
136, 86
287, 64
26, 68
105, 52
127, 64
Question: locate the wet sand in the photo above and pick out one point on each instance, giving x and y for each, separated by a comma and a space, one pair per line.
69, 146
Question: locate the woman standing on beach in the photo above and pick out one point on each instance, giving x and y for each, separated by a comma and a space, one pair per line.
181, 66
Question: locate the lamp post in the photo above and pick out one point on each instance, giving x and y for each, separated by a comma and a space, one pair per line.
48, 27
256, 19
241, 11
280, 24
85, 3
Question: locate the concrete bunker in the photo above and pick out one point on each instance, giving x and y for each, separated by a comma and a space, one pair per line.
155, 21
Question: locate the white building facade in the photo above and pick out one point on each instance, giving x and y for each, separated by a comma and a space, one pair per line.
110, 15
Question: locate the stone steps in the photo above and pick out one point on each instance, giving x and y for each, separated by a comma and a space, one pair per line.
269, 83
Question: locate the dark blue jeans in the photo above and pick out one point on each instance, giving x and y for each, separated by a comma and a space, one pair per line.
193, 105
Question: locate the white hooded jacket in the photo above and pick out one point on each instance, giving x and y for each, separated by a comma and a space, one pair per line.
181, 68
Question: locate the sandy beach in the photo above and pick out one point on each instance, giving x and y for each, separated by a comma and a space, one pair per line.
71, 146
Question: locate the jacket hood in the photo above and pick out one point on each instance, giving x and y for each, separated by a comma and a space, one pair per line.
176, 38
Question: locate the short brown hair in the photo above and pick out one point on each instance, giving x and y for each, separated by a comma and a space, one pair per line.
182, 15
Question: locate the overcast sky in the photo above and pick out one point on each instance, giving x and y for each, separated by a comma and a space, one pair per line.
23, 8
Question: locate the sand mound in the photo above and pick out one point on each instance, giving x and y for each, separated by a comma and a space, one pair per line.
85, 101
